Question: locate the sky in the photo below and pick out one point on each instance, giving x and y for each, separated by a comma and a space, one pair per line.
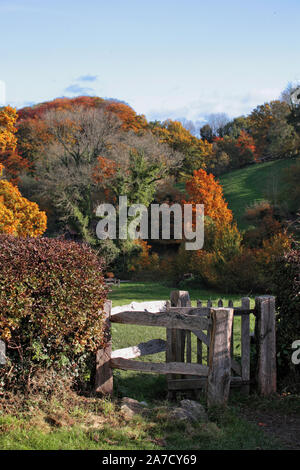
167, 59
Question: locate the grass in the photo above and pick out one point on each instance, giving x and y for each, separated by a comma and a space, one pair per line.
254, 183
85, 426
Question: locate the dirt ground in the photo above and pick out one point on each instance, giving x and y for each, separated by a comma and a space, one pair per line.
285, 428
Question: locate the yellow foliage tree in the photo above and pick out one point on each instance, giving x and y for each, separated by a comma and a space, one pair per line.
18, 216
8, 140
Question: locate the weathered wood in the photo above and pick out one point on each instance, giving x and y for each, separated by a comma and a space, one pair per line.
218, 382
143, 349
188, 310
183, 302
175, 337
159, 368
245, 344
236, 367
201, 336
104, 375
168, 319
232, 338
2, 352
266, 342
193, 384
238, 311
187, 384
199, 351
188, 347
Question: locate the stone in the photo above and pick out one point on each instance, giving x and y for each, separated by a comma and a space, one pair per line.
194, 409
131, 407
189, 411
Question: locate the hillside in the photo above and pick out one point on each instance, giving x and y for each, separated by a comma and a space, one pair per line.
254, 183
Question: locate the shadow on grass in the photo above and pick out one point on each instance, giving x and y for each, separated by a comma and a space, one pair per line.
141, 387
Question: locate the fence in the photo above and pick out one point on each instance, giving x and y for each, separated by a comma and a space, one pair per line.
213, 327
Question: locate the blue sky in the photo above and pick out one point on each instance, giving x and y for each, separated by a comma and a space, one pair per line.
166, 58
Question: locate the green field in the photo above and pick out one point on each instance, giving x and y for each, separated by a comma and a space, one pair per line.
254, 183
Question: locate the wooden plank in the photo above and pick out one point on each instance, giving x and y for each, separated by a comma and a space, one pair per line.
199, 341
188, 310
199, 351
218, 382
240, 311
236, 367
245, 344
103, 374
266, 341
171, 342
159, 368
232, 339
193, 384
176, 337
168, 319
143, 349
187, 384
180, 303
201, 336
188, 347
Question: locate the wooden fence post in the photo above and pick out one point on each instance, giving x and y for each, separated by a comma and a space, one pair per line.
176, 338
219, 375
266, 344
245, 344
104, 374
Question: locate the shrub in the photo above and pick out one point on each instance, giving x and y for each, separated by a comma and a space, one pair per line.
287, 282
52, 295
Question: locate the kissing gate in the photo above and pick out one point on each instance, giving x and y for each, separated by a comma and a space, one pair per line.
213, 327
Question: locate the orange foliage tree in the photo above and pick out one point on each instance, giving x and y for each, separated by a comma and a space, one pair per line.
203, 188
8, 117
130, 120
18, 216
13, 162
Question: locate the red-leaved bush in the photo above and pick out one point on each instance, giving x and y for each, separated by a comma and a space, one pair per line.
52, 295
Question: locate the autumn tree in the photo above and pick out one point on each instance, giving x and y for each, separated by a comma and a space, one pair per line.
196, 151
8, 117
88, 161
206, 133
18, 216
273, 135
203, 188
14, 163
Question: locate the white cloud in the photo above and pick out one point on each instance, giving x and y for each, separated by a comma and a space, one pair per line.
232, 103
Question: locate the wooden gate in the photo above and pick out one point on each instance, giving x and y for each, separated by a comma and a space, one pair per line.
179, 321
180, 348
213, 328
